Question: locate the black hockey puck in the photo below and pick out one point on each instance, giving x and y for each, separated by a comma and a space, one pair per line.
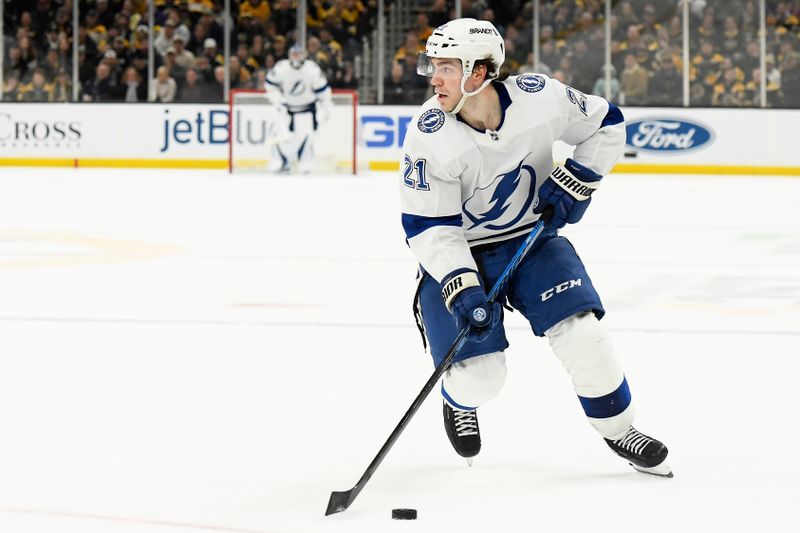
404, 514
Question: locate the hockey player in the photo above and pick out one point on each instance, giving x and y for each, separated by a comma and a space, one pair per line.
477, 174
300, 91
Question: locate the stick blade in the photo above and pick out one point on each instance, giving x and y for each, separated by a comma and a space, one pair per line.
339, 502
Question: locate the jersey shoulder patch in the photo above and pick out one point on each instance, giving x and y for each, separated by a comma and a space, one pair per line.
431, 120
531, 83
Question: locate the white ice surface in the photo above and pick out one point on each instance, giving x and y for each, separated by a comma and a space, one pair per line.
193, 352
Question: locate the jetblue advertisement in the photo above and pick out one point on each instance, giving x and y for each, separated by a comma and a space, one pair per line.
208, 127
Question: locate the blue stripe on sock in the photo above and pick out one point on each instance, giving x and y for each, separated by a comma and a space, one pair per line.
608, 405
453, 402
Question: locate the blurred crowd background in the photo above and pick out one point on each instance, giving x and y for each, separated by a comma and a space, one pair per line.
344, 37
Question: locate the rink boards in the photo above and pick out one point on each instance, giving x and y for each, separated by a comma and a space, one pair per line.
660, 140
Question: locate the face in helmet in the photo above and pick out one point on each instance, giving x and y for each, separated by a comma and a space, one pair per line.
446, 80
460, 44
297, 55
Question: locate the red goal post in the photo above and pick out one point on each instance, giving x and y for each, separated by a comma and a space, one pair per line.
250, 115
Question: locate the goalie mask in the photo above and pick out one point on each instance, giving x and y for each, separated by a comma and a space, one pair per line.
297, 54
467, 40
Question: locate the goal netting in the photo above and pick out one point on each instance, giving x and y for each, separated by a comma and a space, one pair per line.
253, 133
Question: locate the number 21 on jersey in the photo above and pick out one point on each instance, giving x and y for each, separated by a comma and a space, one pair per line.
415, 182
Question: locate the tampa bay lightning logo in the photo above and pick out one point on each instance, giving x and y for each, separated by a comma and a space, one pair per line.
431, 120
479, 314
492, 206
298, 88
530, 83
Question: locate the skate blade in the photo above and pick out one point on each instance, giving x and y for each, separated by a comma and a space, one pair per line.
469, 462
661, 470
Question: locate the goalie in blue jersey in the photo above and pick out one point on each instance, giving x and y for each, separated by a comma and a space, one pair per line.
476, 175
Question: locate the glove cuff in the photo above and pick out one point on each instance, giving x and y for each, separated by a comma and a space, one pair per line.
578, 181
456, 282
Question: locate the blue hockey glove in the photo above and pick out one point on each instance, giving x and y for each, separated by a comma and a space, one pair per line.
569, 190
465, 298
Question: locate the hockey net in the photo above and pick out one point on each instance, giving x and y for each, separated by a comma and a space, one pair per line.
252, 133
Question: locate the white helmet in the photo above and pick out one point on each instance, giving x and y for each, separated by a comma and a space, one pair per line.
469, 40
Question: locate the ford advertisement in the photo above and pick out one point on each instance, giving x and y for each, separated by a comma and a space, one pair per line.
667, 135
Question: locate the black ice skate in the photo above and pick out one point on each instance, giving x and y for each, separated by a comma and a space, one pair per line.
643, 453
463, 432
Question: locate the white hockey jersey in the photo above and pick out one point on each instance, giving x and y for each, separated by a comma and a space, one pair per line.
299, 87
462, 187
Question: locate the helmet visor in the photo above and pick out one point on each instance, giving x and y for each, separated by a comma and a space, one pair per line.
424, 65
444, 68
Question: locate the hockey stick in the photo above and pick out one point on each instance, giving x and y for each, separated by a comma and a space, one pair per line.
340, 501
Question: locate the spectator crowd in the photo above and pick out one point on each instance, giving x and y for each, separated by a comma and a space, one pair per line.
113, 43
646, 48
647, 51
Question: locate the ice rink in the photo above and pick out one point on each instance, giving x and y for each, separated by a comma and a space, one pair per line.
185, 351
